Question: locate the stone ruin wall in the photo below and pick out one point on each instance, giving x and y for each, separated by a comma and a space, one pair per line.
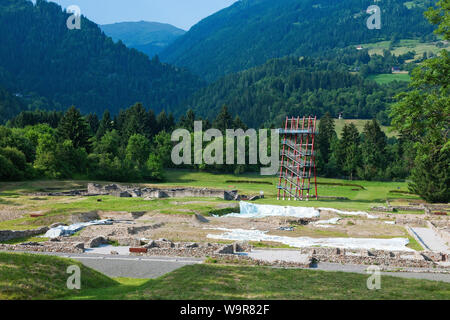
6, 235
158, 193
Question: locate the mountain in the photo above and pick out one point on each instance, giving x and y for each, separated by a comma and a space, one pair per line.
41, 56
10, 105
148, 37
250, 32
288, 86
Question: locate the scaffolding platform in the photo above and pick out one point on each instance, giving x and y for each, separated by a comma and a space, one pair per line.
298, 174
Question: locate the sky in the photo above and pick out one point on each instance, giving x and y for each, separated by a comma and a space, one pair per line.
180, 13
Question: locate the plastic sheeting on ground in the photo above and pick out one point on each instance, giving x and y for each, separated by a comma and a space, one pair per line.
330, 221
250, 210
395, 244
64, 231
350, 213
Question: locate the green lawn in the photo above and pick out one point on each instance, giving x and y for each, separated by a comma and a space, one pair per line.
403, 47
339, 126
25, 276
389, 77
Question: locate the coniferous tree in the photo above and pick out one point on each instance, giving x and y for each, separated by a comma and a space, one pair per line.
223, 120
349, 156
93, 123
75, 128
187, 121
373, 151
324, 138
239, 124
105, 125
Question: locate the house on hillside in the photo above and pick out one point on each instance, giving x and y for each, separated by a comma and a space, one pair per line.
395, 69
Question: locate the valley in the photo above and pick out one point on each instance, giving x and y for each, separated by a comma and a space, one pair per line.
109, 190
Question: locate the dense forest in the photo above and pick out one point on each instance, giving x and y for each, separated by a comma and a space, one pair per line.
250, 32
301, 86
136, 145
40, 56
10, 105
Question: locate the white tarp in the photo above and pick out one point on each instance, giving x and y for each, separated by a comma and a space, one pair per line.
330, 221
394, 244
63, 231
350, 213
250, 210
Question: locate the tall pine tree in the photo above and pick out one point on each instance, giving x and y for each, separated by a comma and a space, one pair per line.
75, 128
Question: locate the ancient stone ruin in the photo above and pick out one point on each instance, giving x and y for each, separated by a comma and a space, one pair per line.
159, 193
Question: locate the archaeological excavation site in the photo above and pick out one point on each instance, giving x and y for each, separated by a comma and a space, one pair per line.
226, 226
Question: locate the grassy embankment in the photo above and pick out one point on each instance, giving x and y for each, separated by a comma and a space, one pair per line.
24, 276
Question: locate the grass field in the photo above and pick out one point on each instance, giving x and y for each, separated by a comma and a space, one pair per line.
402, 47
24, 276
389, 77
339, 126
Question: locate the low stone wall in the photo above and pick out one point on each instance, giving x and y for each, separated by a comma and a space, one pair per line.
164, 247
158, 193
6, 235
376, 257
45, 247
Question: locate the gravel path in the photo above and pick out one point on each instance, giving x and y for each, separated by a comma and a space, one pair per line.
430, 239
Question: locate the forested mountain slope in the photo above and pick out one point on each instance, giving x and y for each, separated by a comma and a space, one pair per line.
149, 37
10, 105
39, 54
250, 32
297, 86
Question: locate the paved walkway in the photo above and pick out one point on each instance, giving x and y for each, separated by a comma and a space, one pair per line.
431, 239
281, 255
130, 266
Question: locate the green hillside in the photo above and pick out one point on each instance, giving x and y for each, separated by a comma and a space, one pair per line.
148, 37
297, 86
40, 55
10, 105
250, 32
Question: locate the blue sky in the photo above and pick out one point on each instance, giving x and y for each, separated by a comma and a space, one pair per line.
180, 13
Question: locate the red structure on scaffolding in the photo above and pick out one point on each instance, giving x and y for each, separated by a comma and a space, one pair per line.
298, 161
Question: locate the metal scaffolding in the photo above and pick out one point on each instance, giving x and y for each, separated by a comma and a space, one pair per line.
298, 161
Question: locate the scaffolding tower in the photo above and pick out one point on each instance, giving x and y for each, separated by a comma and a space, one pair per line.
298, 161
